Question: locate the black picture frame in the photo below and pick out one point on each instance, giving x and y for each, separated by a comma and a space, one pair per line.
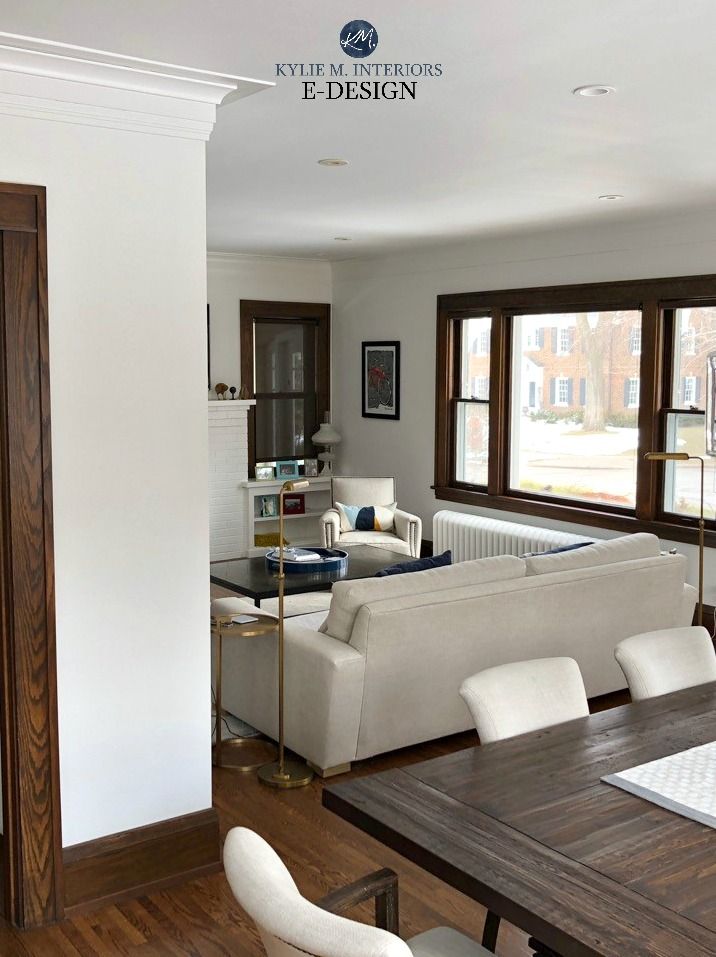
380, 379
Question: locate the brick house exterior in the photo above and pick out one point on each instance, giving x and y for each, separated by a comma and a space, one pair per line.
555, 363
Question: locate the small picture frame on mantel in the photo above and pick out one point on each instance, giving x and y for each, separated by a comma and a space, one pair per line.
310, 468
264, 473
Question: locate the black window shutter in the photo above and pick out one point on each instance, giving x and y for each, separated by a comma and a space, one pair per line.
698, 389
540, 337
551, 391
582, 391
626, 393
554, 339
683, 389
570, 391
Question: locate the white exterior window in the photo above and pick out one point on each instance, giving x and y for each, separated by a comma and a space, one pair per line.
562, 392
690, 390
633, 394
635, 341
564, 343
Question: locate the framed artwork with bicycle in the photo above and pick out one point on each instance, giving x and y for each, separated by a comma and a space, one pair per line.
381, 380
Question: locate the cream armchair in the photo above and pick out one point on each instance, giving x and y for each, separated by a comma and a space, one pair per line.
407, 534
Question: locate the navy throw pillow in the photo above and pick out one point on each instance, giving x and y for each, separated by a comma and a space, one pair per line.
417, 565
556, 551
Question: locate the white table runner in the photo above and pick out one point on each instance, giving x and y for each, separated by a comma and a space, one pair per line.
684, 783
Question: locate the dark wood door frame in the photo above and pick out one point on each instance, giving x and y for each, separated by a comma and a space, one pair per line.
32, 845
320, 312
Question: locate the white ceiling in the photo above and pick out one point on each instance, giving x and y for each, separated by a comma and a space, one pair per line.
497, 144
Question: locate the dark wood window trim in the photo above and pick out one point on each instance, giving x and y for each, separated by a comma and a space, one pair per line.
657, 299
320, 312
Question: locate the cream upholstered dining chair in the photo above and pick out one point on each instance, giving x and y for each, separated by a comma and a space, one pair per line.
291, 926
658, 662
515, 698
404, 535
524, 696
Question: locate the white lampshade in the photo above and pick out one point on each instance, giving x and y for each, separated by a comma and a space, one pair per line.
326, 435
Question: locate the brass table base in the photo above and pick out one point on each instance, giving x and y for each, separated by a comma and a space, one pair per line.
244, 754
296, 775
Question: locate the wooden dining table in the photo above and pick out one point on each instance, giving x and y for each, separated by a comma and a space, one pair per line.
527, 828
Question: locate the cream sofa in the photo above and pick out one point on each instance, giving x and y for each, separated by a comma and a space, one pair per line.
384, 668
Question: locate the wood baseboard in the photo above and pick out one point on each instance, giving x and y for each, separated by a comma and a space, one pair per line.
141, 860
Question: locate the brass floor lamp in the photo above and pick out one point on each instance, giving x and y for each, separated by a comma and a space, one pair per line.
685, 457
283, 773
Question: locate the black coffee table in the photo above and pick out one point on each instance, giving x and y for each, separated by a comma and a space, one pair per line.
251, 577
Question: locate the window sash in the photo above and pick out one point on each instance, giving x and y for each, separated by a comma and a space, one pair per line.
657, 299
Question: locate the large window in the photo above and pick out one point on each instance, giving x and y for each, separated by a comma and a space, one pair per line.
573, 424
548, 400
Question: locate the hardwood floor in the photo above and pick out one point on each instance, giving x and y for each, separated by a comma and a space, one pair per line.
201, 918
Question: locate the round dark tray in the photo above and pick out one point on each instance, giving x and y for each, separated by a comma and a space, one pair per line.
332, 560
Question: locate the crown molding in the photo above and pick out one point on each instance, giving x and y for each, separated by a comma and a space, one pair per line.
43, 79
233, 259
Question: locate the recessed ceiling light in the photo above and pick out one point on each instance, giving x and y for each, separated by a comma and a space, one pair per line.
611, 196
596, 90
331, 161
342, 239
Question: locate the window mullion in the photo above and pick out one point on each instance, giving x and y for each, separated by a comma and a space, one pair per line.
498, 459
650, 387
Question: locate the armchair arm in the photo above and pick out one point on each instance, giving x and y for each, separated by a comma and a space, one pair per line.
410, 529
381, 885
330, 527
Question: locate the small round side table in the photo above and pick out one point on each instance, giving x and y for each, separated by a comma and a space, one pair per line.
239, 753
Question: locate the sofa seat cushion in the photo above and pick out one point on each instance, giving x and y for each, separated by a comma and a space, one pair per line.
348, 597
624, 549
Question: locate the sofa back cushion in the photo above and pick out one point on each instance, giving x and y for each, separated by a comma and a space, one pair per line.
363, 491
348, 597
627, 548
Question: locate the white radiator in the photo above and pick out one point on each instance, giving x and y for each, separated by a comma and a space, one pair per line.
473, 536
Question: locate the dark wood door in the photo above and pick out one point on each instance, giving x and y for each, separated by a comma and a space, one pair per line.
28, 708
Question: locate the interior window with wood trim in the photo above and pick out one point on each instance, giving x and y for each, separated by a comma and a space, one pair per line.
285, 363
548, 399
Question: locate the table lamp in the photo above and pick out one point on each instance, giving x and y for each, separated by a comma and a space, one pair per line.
328, 436
685, 457
283, 773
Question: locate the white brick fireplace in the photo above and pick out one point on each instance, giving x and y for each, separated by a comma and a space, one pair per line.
228, 468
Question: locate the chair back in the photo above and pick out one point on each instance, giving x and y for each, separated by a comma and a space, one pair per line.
524, 696
659, 662
289, 925
363, 491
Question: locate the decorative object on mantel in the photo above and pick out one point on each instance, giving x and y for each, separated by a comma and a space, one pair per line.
244, 392
310, 468
264, 473
685, 457
287, 469
380, 377
328, 436
220, 389
232, 390
283, 773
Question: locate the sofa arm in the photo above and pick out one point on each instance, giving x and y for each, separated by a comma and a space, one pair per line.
324, 695
330, 527
410, 529
685, 611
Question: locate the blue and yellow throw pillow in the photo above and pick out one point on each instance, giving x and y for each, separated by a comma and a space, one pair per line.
366, 518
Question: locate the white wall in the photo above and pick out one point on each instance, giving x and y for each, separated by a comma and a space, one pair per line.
127, 306
395, 298
232, 277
